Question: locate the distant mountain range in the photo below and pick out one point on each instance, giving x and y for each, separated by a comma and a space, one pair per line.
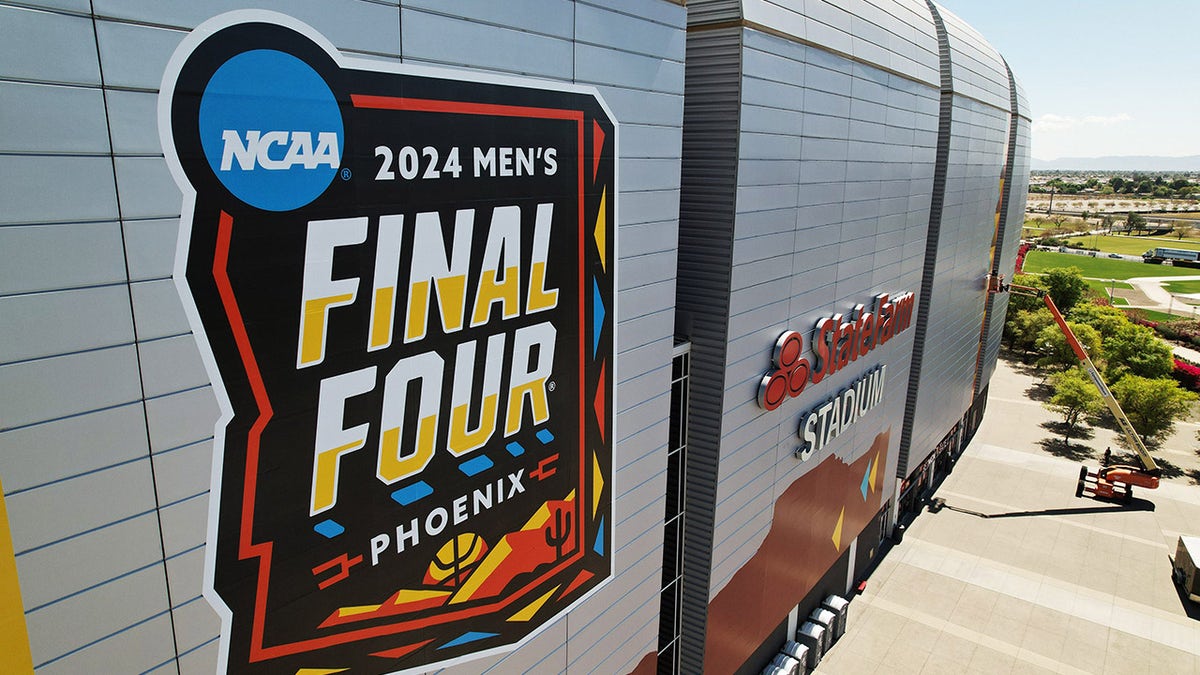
1130, 163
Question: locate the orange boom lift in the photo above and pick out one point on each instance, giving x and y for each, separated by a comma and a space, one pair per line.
1107, 482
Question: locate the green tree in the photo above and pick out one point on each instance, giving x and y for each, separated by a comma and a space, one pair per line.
1135, 222
1152, 405
1074, 397
1136, 350
1117, 183
1056, 352
1016, 302
1105, 319
1181, 231
1021, 331
1065, 285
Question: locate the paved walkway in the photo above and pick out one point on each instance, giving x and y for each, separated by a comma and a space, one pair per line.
1016, 575
1152, 287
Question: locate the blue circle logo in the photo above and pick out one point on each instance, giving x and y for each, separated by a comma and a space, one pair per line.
271, 130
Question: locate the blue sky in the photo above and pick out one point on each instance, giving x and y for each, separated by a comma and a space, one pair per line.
1102, 77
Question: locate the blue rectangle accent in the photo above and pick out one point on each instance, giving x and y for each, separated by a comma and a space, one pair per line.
471, 636
329, 528
545, 436
515, 449
598, 547
411, 493
477, 465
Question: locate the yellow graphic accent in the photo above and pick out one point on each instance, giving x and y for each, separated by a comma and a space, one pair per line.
451, 296
15, 656
360, 609
837, 530
597, 484
532, 608
405, 597
393, 467
601, 226
418, 310
320, 671
501, 552
536, 391
462, 441
874, 471
326, 480
507, 291
539, 297
381, 323
456, 556
313, 344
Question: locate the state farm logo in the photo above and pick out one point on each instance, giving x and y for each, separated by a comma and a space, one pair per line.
838, 341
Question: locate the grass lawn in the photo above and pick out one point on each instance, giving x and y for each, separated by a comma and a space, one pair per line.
1102, 286
1118, 243
1183, 286
1153, 315
1117, 302
1037, 262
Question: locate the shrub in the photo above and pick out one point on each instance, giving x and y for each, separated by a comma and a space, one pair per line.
1187, 374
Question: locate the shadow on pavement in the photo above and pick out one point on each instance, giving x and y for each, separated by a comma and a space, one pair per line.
1135, 505
1058, 448
1041, 392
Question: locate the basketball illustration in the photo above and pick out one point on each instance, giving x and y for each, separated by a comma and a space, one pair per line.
455, 559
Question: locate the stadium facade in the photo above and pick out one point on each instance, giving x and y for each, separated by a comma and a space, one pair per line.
551, 336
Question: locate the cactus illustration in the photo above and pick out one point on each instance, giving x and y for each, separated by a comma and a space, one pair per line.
557, 535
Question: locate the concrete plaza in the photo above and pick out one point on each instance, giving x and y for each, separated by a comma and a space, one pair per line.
1017, 575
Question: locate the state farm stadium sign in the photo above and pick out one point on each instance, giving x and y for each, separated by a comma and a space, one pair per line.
837, 342
402, 282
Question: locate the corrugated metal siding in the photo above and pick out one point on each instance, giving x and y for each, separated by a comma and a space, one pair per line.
710, 146
708, 12
936, 210
106, 439
1006, 254
942, 386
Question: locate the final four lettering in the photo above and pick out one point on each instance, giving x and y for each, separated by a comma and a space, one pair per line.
435, 271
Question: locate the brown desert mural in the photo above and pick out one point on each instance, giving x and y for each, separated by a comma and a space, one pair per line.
814, 521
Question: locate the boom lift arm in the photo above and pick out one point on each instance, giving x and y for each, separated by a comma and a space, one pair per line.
1104, 481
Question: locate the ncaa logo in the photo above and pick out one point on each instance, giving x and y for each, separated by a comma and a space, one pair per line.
271, 156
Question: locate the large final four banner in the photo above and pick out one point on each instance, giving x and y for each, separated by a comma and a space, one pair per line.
402, 282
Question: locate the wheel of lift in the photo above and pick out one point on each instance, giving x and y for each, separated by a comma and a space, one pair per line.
1082, 480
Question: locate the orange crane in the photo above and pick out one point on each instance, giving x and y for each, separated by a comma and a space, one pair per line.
1107, 482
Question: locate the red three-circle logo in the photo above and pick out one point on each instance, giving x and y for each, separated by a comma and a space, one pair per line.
791, 372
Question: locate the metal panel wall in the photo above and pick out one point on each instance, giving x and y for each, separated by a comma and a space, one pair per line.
834, 165
106, 435
959, 260
1012, 215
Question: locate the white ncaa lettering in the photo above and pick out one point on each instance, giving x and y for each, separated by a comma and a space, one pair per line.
256, 148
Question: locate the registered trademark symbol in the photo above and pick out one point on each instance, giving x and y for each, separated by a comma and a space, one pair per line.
550, 387
346, 173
